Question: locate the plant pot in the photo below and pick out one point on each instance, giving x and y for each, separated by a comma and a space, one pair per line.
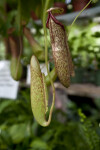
61, 5
79, 4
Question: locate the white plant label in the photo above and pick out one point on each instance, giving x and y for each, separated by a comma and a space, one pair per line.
43, 70
8, 86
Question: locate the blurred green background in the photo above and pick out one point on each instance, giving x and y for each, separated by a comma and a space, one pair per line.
76, 124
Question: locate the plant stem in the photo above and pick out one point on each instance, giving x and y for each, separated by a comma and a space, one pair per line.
20, 39
79, 15
46, 57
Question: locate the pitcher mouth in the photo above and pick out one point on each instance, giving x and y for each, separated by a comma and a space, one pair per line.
52, 11
57, 10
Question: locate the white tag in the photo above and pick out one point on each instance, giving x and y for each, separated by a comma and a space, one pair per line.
28, 75
43, 70
8, 86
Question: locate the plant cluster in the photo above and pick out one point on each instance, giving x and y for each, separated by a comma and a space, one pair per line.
19, 130
64, 69
84, 41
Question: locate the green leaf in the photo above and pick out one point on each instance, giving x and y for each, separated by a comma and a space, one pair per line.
4, 104
18, 132
96, 34
39, 145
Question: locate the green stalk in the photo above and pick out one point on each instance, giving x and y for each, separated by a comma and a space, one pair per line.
46, 55
20, 40
53, 76
79, 15
19, 16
